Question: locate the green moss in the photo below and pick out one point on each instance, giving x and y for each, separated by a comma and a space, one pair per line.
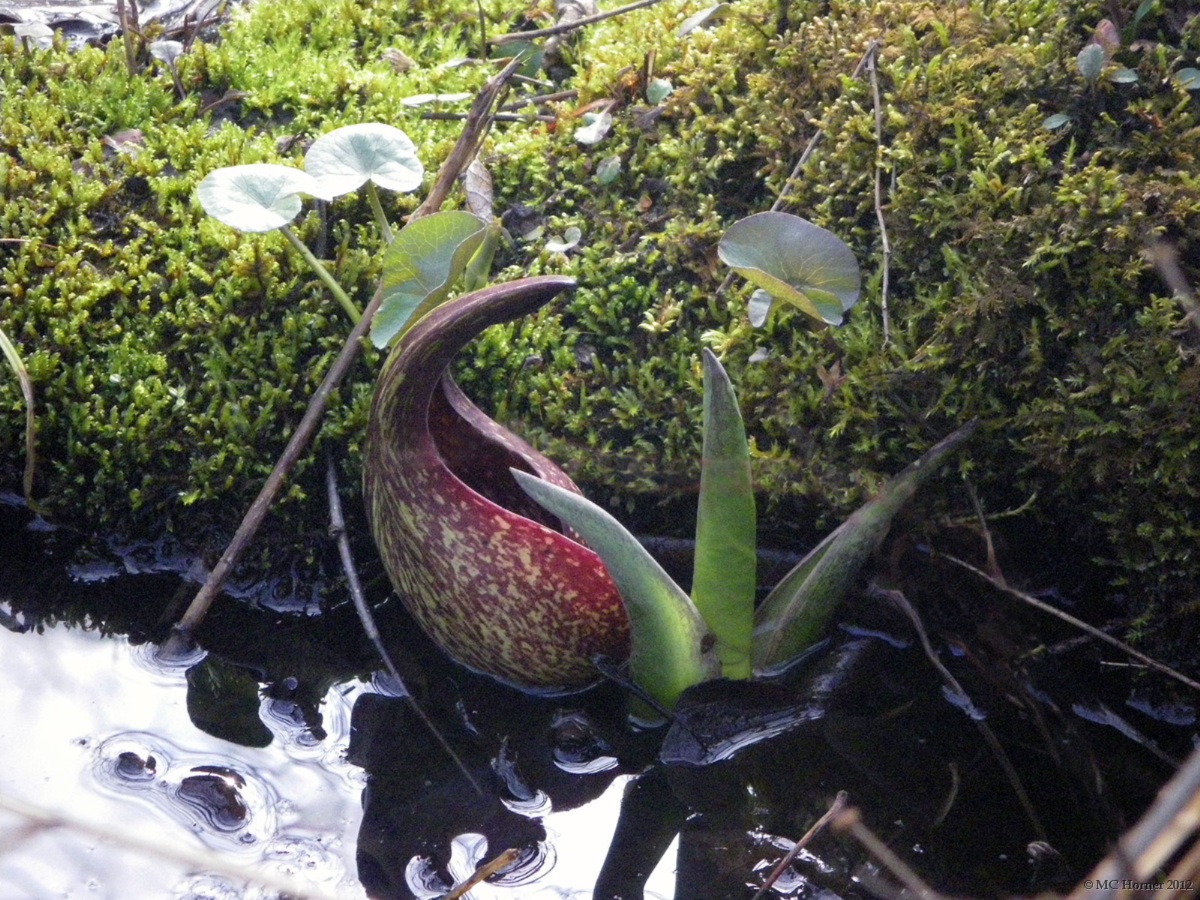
173, 356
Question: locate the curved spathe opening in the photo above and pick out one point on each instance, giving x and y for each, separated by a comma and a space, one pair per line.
481, 457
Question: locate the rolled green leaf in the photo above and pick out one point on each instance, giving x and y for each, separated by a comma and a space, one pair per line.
724, 574
795, 613
420, 266
666, 630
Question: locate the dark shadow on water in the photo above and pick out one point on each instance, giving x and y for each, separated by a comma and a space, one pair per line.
743, 770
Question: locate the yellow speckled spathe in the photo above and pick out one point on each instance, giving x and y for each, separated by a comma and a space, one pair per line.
488, 577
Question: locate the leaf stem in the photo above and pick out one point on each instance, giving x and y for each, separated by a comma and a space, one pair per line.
18, 366
385, 228
315, 264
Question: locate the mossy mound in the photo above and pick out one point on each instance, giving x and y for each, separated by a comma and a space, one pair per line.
172, 356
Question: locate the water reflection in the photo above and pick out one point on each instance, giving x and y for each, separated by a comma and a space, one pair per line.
90, 728
99, 728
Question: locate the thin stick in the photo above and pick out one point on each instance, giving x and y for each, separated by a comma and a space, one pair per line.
868, 54
181, 636
1166, 260
872, 70
196, 859
487, 870
1171, 821
337, 531
1078, 623
989, 736
479, 120
483, 41
536, 99
498, 117
569, 26
835, 808
127, 20
851, 821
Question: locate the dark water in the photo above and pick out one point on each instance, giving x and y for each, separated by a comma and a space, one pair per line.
282, 751
247, 755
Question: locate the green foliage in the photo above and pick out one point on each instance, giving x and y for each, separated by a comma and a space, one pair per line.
1019, 293
428, 256
666, 631
669, 631
723, 574
163, 346
795, 261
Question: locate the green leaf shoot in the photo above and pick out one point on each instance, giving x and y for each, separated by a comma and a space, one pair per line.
666, 630
724, 574
795, 613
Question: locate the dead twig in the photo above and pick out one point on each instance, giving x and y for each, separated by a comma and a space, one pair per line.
498, 117
538, 99
479, 120
181, 636
337, 531
1166, 260
127, 17
964, 702
487, 870
569, 26
885, 244
815, 140
835, 808
850, 822
198, 859
1171, 823
1078, 623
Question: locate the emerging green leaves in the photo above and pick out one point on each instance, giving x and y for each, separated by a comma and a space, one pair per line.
794, 615
257, 197
666, 631
421, 265
794, 260
724, 574
347, 158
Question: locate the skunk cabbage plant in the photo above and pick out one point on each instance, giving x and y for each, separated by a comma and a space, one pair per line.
671, 632
514, 573
486, 572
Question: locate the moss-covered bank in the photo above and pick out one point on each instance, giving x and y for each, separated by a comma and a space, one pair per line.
172, 355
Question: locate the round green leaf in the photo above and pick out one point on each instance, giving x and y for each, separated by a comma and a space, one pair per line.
347, 158
796, 261
257, 197
1056, 121
608, 169
1090, 62
1189, 79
